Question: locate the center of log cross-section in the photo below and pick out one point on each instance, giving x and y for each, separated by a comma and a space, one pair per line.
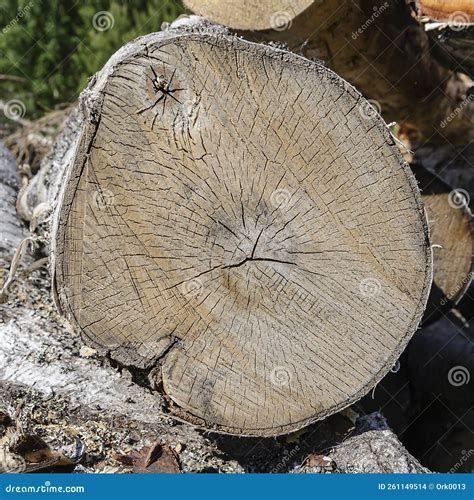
236, 223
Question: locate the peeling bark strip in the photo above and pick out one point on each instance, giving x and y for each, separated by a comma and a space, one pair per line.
11, 230
232, 219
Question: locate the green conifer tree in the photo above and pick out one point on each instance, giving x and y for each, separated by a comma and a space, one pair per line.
54, 46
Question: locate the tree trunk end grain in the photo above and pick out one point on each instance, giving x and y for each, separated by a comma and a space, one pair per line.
232, 220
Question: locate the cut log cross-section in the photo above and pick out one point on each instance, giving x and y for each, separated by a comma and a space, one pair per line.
232, 221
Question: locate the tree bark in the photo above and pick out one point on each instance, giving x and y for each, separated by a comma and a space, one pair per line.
11, 229
229, 214
373, 448
43, 189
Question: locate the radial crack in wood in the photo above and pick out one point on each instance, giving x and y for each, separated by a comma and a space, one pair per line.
234, 219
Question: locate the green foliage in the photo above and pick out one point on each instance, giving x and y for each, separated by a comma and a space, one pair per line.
54, 46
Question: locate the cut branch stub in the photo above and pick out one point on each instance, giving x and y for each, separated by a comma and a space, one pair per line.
234, 218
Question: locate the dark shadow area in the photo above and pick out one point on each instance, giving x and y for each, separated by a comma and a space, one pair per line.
279, 454
429, 402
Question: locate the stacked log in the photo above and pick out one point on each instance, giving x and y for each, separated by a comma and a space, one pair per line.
260, 248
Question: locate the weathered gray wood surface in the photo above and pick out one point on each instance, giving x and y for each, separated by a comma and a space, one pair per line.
64, 397
244, 230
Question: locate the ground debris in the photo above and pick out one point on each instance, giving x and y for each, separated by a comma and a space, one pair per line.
319, 463
87, 352
21, 451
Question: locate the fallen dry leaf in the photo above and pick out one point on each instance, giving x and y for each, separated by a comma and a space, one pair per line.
156, 458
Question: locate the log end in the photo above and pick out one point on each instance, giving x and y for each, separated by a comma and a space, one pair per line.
237, 220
